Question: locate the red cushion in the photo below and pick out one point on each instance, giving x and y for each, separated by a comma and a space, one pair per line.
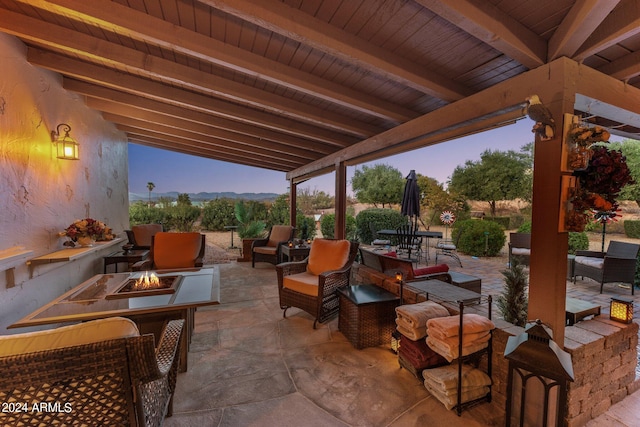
391, 254
440, 268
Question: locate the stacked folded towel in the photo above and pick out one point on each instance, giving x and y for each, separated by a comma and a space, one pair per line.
418, 354
442, 383
444, 339
411, 319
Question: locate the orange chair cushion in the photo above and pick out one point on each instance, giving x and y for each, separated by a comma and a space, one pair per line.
176, 250
144, 232
266, 250
305, 283
279, 233
327, 255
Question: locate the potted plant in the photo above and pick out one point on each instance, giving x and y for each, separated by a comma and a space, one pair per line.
248, 229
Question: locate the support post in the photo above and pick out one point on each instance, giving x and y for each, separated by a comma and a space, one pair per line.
341, 201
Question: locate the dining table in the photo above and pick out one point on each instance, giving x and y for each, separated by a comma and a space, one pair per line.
422, 234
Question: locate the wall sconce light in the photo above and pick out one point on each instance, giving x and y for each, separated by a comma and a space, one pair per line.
66, 147
621, 310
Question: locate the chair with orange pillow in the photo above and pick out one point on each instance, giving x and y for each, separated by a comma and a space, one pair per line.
173, 251
311, 284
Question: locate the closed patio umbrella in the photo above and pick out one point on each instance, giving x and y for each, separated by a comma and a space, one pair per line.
411, 198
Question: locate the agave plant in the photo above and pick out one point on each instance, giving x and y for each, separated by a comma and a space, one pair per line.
248, 227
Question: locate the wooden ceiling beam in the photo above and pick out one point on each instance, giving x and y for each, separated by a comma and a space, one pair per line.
489, 24
624, 68
233, 140
129, 22
163, 144
623, 22
187, 139
304, 28
122, 98
503, 101
104, 53
165, 93
583, 18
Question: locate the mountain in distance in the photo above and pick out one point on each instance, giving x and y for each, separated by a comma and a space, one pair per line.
204, 196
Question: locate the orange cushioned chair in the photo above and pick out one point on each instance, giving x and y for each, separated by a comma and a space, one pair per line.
311, 284
140, 235
174, 250
269, 249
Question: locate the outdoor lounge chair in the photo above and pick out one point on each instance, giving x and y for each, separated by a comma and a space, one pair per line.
618, 264
97, 373
311, 284
449, 247
409, 243
269, 249
174, 250
520, 247
140, 235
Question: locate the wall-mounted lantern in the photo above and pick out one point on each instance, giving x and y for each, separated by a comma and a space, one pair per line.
66, 147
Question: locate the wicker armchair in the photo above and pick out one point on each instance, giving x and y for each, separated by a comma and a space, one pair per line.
301, 285
123, 381
140, 235
172, 251
520, 247
618, 264
269, 249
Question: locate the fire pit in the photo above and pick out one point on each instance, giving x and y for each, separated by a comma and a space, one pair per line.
145, 286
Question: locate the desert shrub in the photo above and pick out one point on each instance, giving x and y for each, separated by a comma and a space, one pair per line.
504, 221
381, 219
182, 217
305, 227
473, 240
632, 228
327, 226
513, 302
140, 213
578, 242
218, 213
525, 227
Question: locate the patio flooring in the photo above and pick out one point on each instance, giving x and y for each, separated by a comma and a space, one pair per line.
250, 367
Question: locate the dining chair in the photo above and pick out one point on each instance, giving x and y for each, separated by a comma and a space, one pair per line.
409, 242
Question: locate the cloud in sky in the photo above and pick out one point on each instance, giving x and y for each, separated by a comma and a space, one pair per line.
171, 171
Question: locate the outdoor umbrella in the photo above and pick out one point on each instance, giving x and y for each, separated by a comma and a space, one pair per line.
411, 198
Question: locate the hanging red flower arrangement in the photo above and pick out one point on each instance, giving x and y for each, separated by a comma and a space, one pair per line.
598, 187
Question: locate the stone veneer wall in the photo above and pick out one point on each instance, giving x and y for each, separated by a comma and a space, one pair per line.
603, 352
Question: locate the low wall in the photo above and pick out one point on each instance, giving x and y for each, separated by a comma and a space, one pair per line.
603, 352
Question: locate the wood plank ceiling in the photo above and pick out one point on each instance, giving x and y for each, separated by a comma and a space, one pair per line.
281, 84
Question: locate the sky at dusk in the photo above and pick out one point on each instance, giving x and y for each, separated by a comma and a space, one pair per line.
171, 171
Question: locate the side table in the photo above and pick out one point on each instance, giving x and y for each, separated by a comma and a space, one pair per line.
465, 281
367, 315
129, 257
294, 253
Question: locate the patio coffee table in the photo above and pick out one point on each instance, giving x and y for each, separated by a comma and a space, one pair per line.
93, 299
439, 291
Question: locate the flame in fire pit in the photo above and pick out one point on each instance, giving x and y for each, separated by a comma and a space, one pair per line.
146, 282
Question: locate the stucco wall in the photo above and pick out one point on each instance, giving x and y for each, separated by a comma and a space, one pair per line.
41, 195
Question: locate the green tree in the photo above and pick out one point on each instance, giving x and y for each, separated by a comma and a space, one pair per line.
379, 184
164, 202
497, 176
434, 199
311, 201
150, 186
279, 211
631, 150
184, 199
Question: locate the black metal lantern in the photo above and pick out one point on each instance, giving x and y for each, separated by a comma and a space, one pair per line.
539, 373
